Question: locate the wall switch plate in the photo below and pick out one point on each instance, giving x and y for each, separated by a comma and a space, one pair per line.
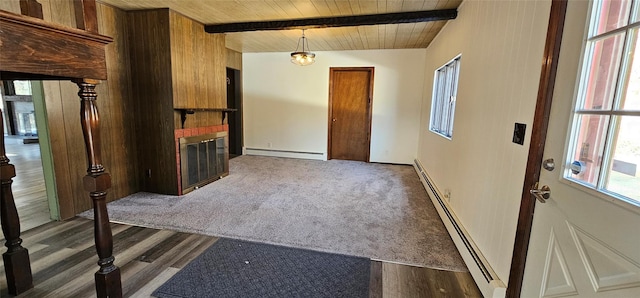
519, 132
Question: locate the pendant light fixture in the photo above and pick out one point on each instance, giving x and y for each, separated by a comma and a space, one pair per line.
305, 57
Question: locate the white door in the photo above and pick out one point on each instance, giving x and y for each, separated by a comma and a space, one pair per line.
584, 242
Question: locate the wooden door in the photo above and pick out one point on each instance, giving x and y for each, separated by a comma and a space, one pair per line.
582, 243
350, 93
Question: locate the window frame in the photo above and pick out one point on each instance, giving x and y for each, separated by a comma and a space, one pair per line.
438, 100
615, 112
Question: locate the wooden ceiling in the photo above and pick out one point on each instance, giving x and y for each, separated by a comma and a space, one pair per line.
390, 36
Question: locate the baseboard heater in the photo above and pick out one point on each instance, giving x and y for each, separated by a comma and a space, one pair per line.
283, 153
493, 286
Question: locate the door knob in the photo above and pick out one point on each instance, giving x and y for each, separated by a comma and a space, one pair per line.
334, 119
541, 194
549, 164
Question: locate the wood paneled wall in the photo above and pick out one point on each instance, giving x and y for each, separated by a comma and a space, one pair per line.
180, 66
149, 34
10, 6
198, 65
234, 59
158, 58
116, 114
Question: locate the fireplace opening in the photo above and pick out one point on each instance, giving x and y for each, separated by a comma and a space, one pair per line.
203, 159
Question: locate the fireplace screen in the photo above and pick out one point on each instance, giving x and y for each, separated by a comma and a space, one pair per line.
203, 159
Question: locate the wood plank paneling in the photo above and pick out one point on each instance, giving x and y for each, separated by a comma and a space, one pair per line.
183, 52
58, 139
180, 66
150, 48
62, 107
118, 116
10, 6
66, 103
198, 62
330, 39
234, 59
117, 131
217, 52
67, 120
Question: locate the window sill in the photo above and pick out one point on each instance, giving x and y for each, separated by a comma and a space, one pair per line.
442, 135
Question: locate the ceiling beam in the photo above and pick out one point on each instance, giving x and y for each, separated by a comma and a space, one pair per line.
341, 21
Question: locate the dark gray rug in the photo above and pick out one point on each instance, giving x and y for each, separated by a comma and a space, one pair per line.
234, 268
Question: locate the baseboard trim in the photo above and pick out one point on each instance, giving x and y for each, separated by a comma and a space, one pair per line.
486, 279
284, 153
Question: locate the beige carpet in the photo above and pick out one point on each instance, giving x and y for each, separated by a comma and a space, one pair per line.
377, 211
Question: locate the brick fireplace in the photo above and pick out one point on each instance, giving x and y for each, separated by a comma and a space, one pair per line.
211, 164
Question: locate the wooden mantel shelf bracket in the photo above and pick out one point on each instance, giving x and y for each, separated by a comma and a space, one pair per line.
184, 112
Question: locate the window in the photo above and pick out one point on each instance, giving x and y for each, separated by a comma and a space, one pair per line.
443, 103
17, 88
604, 151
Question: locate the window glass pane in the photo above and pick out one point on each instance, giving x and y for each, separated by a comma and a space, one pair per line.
22, 87
590, 142
624, 170
630, 95
613, 14
443, 101
601, 78
635, 14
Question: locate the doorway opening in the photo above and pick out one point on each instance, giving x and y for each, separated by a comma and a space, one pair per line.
27, 146
350, 108
234, 101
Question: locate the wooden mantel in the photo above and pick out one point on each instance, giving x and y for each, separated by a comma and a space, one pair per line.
33, 49
38, 50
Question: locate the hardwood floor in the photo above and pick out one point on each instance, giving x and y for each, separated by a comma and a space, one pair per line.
63, 263
28, 186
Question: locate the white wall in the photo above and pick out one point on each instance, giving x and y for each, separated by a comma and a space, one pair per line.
501, 44
286, 106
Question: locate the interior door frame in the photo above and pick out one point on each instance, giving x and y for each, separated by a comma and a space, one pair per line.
332, 71
236, 115
536, 146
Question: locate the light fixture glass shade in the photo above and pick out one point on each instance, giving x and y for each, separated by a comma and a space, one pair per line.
304, 57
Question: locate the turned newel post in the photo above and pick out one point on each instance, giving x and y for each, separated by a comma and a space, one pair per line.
97, 182
16, 259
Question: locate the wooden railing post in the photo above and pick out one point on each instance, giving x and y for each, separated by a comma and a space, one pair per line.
97, 182
16, 259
